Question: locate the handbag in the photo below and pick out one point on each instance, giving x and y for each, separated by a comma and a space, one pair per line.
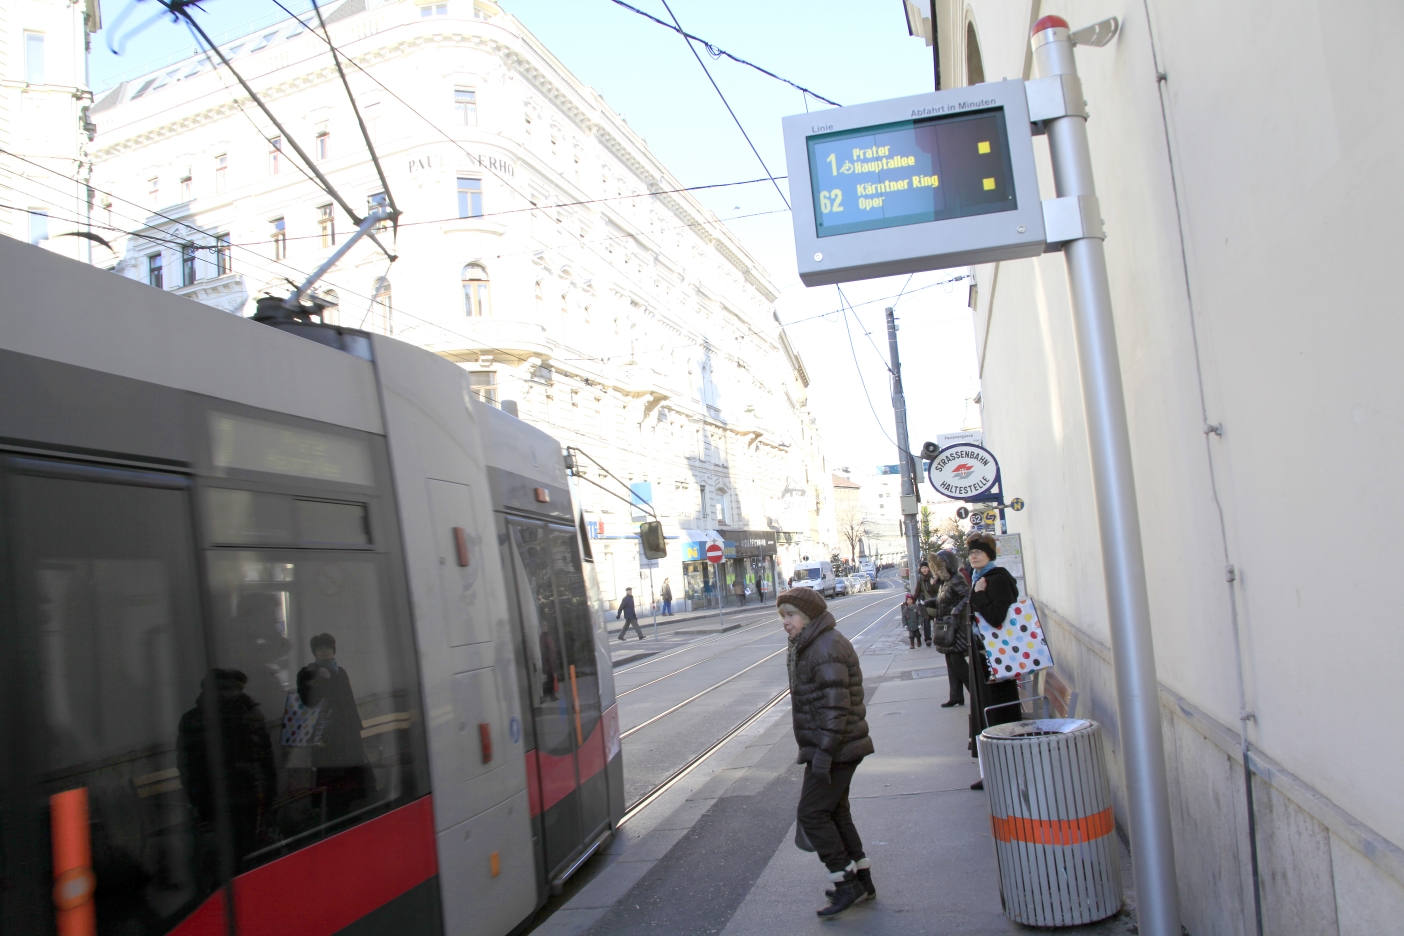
302, 726
1018, 645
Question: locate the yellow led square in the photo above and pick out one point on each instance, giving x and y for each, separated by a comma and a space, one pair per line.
984, 147
989, 185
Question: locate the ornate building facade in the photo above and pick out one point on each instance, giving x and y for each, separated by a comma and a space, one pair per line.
540, 244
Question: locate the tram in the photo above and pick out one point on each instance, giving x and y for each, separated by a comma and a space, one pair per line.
297, 634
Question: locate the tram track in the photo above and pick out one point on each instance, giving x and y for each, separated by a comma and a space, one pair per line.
698, 759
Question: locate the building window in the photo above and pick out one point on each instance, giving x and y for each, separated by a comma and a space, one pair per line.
224, 261
483, 385
465, 101
381, 307
38, 225
974, 64
187, 264
326, 225
153, 271
280, 238
275, 155
323, 143
378, 200
470, 198
153, 193
185, 187
34, 57
221, 171
476, 297
433, 9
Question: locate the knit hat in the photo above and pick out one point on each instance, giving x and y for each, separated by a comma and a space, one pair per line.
985, 543
809, 602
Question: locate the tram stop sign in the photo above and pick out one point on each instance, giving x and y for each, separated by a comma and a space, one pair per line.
926, 182
714, 553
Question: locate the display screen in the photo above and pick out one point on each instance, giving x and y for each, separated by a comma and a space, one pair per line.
911, 172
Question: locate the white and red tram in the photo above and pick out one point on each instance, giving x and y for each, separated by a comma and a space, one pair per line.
295, 635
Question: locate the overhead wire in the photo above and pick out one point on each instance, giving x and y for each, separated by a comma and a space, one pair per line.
857, 367
717, 52
693, 49
179, 7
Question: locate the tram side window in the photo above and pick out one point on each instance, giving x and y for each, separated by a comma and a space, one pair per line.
575, 620
547, 677
330, 685
107, 645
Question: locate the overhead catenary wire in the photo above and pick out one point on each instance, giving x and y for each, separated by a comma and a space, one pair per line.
718, 52
178, 7
863, 383
693, 49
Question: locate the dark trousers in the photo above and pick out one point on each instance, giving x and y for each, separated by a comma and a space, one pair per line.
958, 673
824, 816
628, 623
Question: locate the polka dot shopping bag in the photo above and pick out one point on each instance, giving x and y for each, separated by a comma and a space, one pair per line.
1018, 645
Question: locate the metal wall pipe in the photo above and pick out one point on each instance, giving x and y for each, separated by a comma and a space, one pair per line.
1118, 518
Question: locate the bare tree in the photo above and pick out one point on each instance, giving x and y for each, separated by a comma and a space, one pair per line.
848, 516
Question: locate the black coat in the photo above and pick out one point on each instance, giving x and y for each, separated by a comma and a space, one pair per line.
1001, 591
339, 722
626, 608
951, 606
826, 695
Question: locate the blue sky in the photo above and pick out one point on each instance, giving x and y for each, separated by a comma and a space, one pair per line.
849, 52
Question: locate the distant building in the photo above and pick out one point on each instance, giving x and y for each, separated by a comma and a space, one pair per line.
542, 246
44, 125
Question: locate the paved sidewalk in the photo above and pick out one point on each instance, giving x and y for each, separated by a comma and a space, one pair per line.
716, 854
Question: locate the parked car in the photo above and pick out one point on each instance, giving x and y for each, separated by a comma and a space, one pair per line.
840, 586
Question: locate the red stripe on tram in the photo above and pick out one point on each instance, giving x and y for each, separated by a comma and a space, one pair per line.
325, 887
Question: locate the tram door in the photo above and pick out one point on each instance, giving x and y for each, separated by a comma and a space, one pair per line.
107, 818
562, 687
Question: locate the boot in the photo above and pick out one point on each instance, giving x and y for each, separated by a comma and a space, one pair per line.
911, 643
865, 877
928, 641
848, 890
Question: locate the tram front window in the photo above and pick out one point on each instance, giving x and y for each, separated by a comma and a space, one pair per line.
103, 656
323, 715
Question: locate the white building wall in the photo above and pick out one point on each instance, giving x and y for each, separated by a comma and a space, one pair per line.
632, 325
1250, 197
44, 98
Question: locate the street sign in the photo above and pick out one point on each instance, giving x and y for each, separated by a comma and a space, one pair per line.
977, 520
964, 472
925, 182
991, 517
714, 553
947, 439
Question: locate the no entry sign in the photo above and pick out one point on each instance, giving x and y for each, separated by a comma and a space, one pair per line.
714, 552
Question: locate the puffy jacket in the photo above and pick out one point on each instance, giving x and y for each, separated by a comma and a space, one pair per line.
826, 695
951, 605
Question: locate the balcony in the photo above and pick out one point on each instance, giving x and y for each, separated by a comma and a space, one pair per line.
228, 293
472, 337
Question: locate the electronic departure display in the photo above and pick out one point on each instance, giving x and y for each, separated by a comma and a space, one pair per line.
926, 182
910, 172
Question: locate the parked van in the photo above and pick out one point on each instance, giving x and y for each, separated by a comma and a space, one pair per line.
817, 574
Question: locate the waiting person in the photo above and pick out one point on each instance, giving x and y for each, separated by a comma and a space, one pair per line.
926, 589
251, 780
829, 719
911, 616
952, 617
667, 595
340, 757
738, 588
993, 591
626, 608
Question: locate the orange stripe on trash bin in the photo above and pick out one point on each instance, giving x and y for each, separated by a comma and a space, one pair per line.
74, 883
1053, 831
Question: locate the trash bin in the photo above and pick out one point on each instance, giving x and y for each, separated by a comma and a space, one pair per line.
1051, 815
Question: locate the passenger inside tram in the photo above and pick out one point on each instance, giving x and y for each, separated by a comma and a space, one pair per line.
338, 757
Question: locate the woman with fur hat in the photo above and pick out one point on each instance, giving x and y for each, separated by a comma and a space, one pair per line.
992, 592
831, 728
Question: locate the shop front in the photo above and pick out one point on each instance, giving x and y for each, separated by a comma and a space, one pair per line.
745, 576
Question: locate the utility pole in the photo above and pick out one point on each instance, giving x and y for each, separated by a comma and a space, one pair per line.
904, 452
1114, 483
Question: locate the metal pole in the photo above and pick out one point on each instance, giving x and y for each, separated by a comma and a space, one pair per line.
653, 601
1123, 563
904, 450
